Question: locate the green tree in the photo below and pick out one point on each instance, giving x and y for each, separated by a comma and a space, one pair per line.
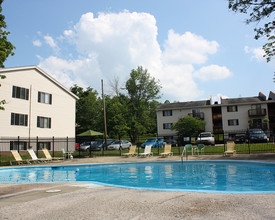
188, 126
141, 90
89, 113
259, 10
116, 113
6, 47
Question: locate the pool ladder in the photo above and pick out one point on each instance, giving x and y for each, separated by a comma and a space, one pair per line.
182, 154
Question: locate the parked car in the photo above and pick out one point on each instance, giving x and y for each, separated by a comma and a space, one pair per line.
206, 138
120, 144
85, 146
155, 142
257, 135
173, 142
240, 138
99, 144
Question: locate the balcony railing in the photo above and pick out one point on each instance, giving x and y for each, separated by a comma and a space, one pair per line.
256, 112
217, 116
199, 115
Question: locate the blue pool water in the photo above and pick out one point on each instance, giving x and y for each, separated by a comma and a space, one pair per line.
196, 176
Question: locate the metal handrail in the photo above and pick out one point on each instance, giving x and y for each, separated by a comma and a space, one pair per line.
186, 155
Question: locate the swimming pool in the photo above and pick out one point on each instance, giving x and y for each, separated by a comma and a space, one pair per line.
192, 176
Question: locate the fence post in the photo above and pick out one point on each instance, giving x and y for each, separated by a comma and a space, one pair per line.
53, 146
248, 145
67, 144
37, 145
223, 141
18, 139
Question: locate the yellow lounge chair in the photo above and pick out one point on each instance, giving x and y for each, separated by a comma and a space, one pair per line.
132, 151
49, 157
147, 151
167, 151
230, 148
18, 158
35, 158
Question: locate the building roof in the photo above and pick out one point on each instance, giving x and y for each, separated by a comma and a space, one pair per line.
177, 105
241, 100
5, 70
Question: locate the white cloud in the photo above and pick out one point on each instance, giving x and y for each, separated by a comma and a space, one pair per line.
112, 44
213, 72
257, 53
51, 42
187, 48
37, 43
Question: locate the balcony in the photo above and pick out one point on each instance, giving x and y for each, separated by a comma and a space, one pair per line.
217, 117
199, 115
256, 112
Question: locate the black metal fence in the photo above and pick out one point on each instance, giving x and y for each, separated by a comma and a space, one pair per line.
244, 144
21, 144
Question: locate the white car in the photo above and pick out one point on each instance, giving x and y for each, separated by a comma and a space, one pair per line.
206, 138
121, 144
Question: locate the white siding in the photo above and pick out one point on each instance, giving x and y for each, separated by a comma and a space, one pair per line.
61, 111
179, 113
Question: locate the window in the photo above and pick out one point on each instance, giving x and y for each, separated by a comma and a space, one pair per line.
20, 93
257, 106
42, 145
15, 145
167, 113
44, 97
232, 108
43, 122
167, 125
233, 122
19, 119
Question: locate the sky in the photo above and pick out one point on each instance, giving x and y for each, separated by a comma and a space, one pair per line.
196, 49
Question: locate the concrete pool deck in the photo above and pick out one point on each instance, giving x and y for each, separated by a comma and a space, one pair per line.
88, 201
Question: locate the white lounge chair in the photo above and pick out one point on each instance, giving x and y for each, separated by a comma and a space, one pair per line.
35, 158
147, 151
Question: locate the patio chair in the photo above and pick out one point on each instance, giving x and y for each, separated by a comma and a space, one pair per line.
67, 154
147, 151
167, 151
132, 151
49, 157
230, 148
17, 158
35, 158
201, 148
188, 147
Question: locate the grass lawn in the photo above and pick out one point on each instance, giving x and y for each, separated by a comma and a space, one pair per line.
209, 150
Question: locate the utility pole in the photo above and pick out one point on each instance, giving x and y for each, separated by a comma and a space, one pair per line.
104, 112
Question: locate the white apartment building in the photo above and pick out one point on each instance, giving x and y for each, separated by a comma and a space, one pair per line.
230, 116
37, 106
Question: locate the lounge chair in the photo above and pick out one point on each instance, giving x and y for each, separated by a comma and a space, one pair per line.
49, 157
67, 154
132, 151
167, 151
230, 148
35, 158
147, 151
18, 159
